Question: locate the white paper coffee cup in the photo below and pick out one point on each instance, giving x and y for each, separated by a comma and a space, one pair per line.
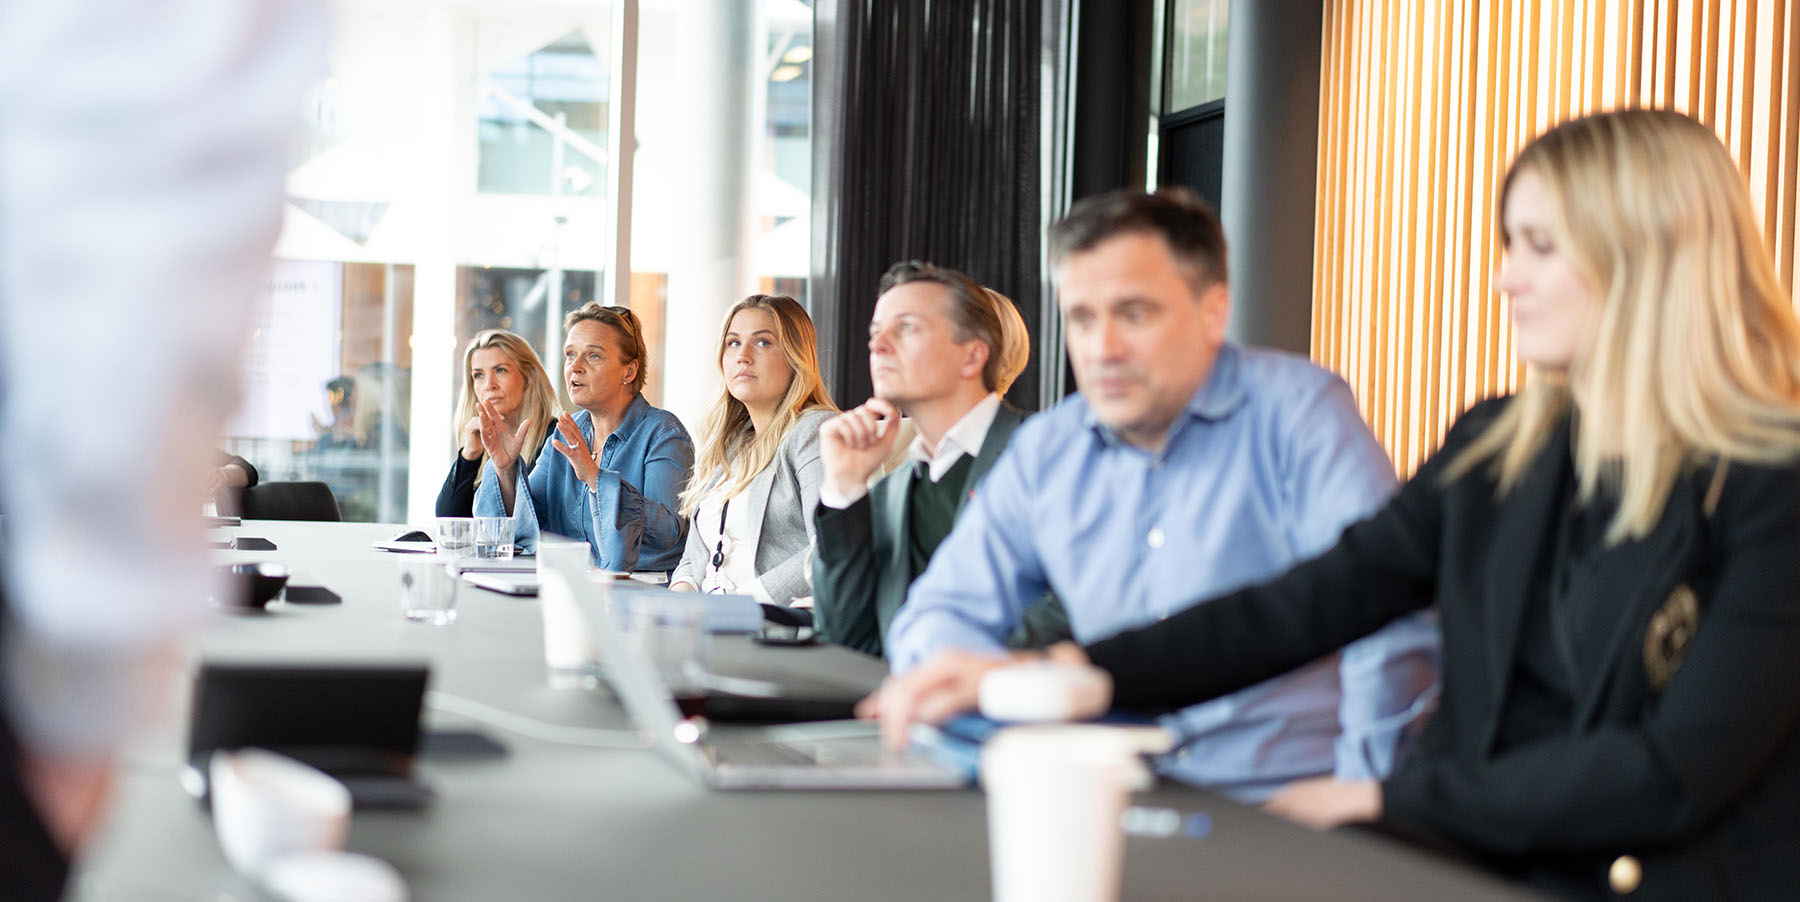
568, 644
266, 806
1054, 797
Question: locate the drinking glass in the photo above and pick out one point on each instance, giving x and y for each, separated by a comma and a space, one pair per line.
456, 537
670, 633
494, 538
428, 591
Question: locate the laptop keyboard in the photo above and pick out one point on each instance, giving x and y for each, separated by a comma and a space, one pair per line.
760, 754
856, 752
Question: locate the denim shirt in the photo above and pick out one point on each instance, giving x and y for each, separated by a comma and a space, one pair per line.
630, 518
1266, 465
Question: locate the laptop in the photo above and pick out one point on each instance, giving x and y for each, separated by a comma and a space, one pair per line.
724, 613
506, 582
518, 576
827, 755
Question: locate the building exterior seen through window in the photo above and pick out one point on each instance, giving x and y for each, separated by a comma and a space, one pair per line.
1197, 53
454, 177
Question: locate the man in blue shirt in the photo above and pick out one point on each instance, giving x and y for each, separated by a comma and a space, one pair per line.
1187, 466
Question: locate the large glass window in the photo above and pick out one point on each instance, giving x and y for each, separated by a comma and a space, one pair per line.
722, 178
326, 393
784, 201
454, 176
1197, 53
543, 115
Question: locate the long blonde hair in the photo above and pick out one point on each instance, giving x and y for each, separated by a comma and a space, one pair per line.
1696, 355
733, 451
1015, 341
539, 404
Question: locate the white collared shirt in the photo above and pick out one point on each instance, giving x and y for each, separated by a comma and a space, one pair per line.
964, 437
736, 573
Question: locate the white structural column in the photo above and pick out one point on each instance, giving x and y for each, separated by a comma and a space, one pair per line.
445, 186
719, 65
621, 147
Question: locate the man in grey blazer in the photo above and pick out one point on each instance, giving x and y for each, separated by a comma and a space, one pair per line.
941, 351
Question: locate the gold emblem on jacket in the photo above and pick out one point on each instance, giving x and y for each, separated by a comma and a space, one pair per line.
1666, 641
1625, 875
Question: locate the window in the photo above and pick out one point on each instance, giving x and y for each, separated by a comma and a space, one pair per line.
1197, 53
454, 177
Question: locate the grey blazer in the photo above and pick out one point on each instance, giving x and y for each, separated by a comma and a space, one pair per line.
781, 498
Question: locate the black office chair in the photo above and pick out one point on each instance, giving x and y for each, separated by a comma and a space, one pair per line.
290, 501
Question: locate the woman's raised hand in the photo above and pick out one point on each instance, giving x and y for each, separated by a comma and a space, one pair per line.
575, 450
501, 444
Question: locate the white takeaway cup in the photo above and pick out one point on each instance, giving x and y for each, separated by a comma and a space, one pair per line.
568, 643
1054, 797
267, 806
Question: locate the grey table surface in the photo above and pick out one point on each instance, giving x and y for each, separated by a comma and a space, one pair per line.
553, 820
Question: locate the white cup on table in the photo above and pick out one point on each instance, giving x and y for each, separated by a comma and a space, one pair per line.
569, 653
1055, 794
267, 806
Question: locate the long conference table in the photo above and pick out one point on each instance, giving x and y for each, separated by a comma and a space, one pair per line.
551, 820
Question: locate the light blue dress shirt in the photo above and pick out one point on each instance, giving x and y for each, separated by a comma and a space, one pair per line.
630, 519
1265, 467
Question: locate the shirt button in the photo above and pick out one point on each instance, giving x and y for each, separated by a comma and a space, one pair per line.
1156, 538
1625, 875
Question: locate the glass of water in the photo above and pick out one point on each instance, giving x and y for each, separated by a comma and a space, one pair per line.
494, 538
428, 590
456, 537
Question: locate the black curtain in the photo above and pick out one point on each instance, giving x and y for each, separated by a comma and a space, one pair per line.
926, 136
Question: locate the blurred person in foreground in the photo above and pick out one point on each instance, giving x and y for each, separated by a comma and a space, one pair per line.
1613, 551
143, 148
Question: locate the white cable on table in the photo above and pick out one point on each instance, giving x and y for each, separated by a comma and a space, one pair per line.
531, 728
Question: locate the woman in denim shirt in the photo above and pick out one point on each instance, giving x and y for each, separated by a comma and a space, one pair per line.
620, 464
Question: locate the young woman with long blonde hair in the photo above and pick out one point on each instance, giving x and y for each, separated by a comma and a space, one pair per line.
757, 477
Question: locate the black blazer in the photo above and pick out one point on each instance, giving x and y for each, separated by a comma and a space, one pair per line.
457, 497
1681, 753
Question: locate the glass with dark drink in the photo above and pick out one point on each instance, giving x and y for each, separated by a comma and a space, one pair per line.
691, 703
671, 630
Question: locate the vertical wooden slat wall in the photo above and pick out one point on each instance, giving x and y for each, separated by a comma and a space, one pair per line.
1423, 106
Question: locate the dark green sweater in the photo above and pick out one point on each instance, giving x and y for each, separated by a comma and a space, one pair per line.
931, 508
